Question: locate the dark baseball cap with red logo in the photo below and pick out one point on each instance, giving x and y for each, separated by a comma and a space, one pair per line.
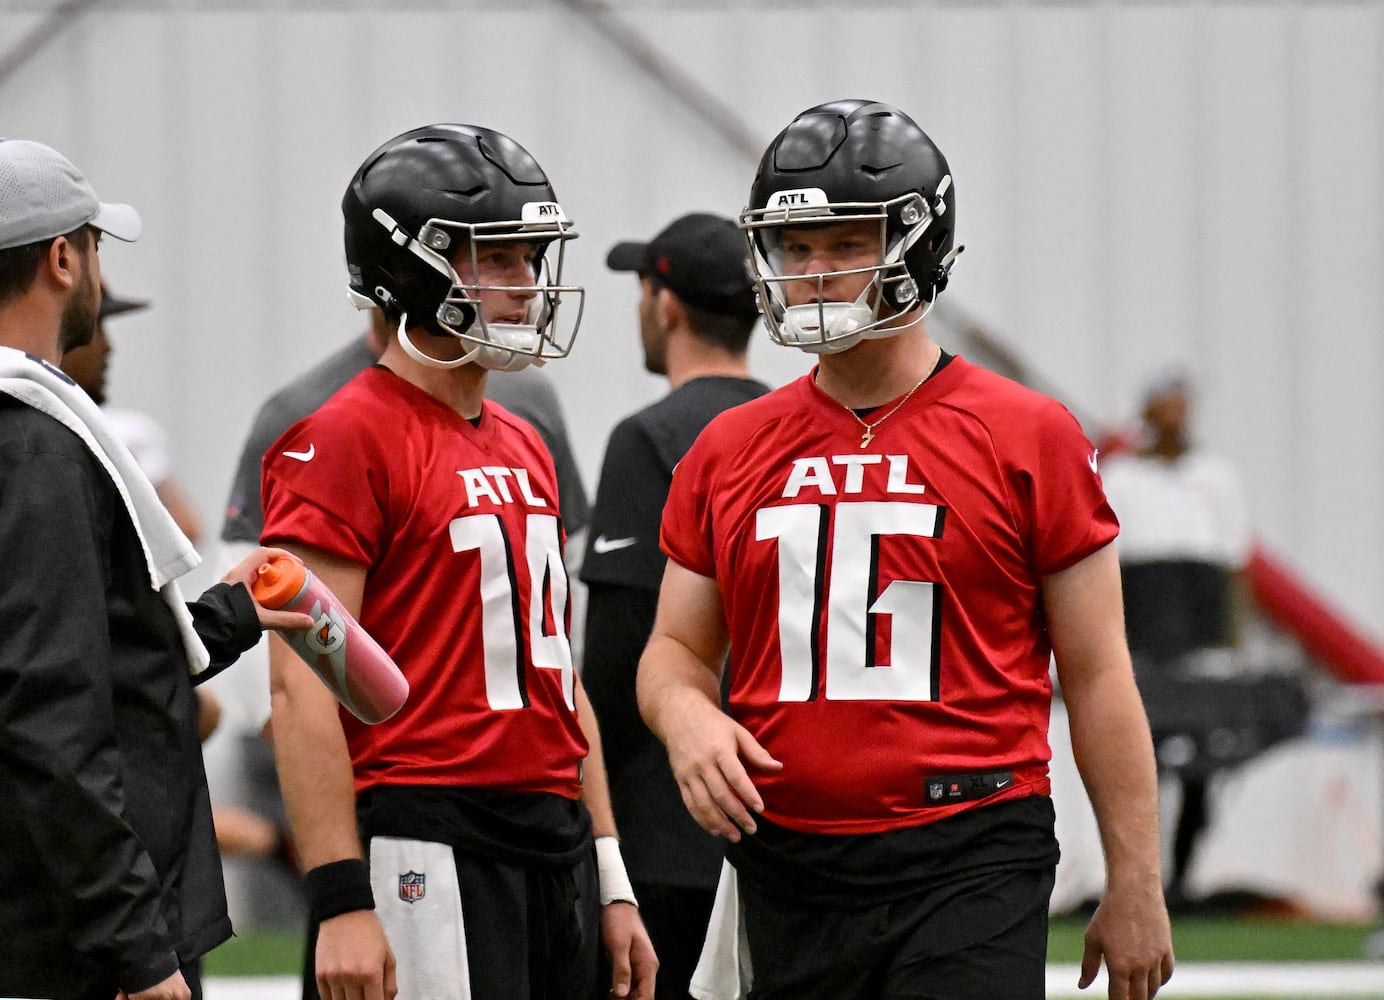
702, 258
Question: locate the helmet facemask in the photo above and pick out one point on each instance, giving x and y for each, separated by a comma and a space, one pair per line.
825, 327
507, 346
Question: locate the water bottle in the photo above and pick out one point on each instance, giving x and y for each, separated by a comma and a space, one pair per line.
353, 665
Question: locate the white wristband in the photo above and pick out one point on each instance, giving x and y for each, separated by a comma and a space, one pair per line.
610, 869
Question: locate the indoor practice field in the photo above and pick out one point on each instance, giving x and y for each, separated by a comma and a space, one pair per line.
1218, 959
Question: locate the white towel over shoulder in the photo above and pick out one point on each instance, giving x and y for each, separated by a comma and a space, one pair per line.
167, 550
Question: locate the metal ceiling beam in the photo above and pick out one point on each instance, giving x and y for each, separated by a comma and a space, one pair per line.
49, 27
723, 119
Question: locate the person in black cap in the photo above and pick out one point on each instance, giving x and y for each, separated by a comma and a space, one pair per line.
147, 441
696, 313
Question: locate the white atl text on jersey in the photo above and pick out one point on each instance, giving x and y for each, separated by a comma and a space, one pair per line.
492, 483
822, 474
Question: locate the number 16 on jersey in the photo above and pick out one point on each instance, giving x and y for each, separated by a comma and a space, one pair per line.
851, 601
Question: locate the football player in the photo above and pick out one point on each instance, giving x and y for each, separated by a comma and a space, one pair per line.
890, 548
432, 513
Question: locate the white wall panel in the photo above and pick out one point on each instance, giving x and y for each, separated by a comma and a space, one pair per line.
1244, 329
1137, 185
977, 70
1151, 171
1059, 200
1334, 298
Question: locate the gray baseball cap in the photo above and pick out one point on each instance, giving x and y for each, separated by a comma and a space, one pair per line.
42, 195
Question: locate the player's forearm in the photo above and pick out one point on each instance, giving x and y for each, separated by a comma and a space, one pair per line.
671, 674
595, 789
313, 762
1110, 732
1114, 753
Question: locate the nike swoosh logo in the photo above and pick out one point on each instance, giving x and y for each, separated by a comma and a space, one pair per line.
1093, 461
1001, 783
602, 544
302, 456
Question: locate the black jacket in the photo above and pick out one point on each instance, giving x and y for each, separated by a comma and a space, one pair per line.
109, 873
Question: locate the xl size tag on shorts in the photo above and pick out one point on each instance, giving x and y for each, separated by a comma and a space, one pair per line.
943, 790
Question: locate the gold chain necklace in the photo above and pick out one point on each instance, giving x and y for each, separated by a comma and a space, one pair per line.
868, 434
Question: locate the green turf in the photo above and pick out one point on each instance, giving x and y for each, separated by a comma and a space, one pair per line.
257, 953
1227, 939
1203, 939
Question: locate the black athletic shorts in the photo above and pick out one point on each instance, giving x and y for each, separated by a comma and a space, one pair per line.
502, 886
952, 910
983, 937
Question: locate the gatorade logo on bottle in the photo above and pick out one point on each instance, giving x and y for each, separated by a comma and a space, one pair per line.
328, 632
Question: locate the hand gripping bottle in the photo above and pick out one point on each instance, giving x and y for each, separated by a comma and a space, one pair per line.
354, 666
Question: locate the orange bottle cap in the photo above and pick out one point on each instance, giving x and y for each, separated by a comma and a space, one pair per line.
278, 581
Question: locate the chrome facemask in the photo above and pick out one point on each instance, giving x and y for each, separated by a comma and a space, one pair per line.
823, 327
544, 335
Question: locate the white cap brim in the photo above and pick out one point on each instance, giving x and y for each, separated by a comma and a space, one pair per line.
120, 221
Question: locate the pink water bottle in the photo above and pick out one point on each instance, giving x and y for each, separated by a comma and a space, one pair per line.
354, 666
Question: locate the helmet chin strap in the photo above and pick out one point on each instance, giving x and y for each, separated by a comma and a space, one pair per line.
428, 360
881, 332
492, 357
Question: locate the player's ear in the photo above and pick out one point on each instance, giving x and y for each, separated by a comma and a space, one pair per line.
64, 260
670, 310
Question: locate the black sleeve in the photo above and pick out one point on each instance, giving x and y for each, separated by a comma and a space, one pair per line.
227, 623
618, 623
60, 768
622, 545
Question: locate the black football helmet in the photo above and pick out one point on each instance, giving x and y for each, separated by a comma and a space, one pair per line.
423, 196
850, 161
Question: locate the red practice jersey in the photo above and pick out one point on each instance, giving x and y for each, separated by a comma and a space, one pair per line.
457, 526
883, 602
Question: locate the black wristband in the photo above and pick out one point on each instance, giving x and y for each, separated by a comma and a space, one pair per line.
338, 887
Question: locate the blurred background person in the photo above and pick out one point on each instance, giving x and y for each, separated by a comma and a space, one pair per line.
696, 314
1186, 531
143, 435
1184, 543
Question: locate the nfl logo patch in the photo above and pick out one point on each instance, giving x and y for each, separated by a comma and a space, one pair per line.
413, 886
934, 790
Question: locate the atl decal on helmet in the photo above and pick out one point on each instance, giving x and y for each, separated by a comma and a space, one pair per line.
432, 193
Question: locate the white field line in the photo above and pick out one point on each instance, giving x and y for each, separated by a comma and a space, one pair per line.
1241, 979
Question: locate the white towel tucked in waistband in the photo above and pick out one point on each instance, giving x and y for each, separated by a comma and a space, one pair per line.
167, 550
724, 971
